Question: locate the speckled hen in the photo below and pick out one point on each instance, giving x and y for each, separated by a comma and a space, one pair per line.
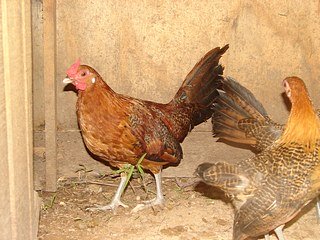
239, 117
121, 129
270, 188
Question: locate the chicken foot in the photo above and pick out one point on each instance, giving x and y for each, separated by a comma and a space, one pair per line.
158, 200
116, 202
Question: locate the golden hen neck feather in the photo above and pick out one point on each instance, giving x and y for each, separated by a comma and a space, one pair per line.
303, 124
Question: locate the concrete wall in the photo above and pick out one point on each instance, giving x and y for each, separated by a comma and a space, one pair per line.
19, 208
146, 48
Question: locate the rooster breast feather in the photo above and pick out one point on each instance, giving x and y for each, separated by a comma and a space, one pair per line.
125, 129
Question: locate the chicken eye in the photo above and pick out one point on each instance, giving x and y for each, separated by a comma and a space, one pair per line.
83, 74
284, 84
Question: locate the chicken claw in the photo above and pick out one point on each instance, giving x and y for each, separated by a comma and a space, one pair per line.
112, 206
159, 200
116, 202
148, 204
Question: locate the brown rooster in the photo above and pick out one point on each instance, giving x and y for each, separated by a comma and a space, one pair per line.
121, 129
270, 188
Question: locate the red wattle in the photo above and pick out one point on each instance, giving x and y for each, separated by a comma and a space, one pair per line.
81, 86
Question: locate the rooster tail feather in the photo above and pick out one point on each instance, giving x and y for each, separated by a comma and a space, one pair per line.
199, 87
234, 104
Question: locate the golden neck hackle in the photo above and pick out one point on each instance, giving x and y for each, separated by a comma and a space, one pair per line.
303, 126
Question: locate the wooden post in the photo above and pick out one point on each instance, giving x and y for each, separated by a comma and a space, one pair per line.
49, 52
19, 207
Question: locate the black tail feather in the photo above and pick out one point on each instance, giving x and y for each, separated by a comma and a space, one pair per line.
200, 86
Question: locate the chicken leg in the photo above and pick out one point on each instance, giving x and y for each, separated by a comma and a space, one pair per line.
158, 200
279, 232
116, 202
318, 208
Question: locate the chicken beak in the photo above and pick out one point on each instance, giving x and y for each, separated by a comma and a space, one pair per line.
67, 80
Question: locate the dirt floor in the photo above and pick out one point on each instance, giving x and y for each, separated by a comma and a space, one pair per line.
193, 211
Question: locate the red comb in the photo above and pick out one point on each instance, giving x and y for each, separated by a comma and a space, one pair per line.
73, 69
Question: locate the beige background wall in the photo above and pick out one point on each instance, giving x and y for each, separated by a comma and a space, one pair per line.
146, 48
